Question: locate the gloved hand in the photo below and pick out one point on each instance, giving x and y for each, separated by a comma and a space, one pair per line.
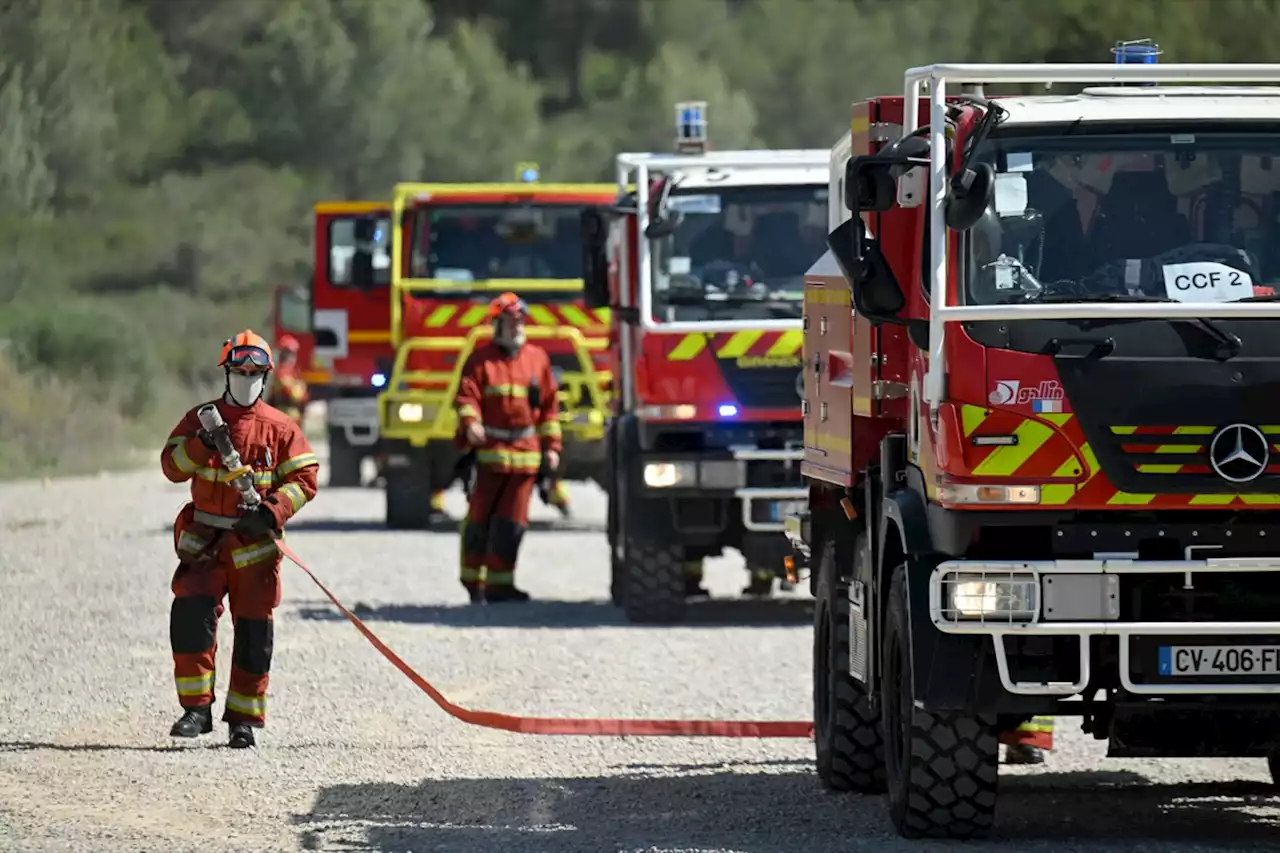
206, 438
257, 522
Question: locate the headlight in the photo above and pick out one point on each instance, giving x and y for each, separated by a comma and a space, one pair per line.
991, 597
957, 493
410, 412
664, 475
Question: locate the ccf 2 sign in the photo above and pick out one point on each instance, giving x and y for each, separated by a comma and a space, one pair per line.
1206, 282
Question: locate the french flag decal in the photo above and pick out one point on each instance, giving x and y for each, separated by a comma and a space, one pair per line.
1046, 406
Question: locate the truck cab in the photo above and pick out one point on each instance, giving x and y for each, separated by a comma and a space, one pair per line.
457, 246
702, 263
352, 351
1040, 427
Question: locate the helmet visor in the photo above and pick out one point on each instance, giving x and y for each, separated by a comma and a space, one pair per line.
242, 357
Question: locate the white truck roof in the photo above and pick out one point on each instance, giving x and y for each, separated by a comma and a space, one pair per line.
1140, 103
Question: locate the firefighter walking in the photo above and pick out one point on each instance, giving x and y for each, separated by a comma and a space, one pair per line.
288, 390
1030, 741
509, 413
225, 551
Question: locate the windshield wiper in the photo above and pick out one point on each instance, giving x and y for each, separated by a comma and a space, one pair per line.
1229, 343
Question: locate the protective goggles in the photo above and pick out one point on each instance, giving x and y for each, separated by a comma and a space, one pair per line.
241, 357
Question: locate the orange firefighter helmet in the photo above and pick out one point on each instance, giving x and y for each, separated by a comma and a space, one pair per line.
246, 348
287, 343
509, 305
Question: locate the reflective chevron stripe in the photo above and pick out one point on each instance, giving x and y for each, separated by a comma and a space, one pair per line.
1042, 453
454, 316
753, 348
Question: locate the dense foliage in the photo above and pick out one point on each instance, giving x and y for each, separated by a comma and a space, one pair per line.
158, 158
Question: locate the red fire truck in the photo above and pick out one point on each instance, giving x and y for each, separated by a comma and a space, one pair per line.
1041, 427
702, 265
457, 246
351, 352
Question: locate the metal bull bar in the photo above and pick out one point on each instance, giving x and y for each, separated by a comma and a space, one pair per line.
750, 494
1080, 598
421, 415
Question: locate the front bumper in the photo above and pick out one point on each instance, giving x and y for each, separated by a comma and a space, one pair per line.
736, 474
1082, 598
357, 417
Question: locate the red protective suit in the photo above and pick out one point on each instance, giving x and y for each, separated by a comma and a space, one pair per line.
514, 397
215, 561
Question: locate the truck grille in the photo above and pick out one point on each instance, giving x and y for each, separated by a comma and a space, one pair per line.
1171, 459
762, 387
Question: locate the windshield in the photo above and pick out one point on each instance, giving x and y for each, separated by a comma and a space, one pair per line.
1183, 216
738, 252
476, 242
342, 247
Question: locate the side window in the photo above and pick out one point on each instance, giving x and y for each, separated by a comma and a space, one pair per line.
342, 246
295, 310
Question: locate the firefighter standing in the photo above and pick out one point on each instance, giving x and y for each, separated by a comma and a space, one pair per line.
508, 411
226, 551
1030, 742
288, 390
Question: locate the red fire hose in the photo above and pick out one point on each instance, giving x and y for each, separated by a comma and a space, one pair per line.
563, 725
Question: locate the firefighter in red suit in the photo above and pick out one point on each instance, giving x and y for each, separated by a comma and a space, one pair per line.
509, 413
224, 551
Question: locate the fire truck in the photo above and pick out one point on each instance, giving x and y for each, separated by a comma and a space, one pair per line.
351, 350
457, 246
1040, 426
702, 263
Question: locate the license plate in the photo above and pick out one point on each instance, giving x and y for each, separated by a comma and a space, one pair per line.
779, 510
1219, 660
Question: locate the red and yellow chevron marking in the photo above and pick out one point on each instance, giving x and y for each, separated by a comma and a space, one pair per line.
1044, 454
749, 348
466, 316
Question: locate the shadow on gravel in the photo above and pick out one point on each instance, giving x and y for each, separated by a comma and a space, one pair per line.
716, 613
36, 746
371, 525
763, 812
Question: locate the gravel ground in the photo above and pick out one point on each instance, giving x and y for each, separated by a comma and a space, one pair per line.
356, 759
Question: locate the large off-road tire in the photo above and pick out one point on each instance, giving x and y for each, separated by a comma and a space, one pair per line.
941, 768
617, 568
408, 497
344, 461
847, 733
653, 583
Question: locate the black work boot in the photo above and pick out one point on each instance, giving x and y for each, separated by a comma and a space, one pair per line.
475, 591
504, 593
193, 722
1022, 753
241, 736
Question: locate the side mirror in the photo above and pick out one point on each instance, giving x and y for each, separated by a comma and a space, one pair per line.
667, 225
595, 257
969, 195
876, 292
869, 184
366, 229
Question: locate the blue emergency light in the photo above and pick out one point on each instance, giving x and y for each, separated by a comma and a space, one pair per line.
691, 125
529, 175
1136, 52
378, 380
728, 410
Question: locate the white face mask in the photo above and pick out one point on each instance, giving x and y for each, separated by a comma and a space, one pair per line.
508, 333
244, 390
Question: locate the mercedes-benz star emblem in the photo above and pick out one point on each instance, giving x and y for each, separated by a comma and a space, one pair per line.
1239, 453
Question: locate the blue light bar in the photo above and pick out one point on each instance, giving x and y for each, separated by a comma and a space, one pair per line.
1136, 52
378, 380
728, 410
691, 126
529, 176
